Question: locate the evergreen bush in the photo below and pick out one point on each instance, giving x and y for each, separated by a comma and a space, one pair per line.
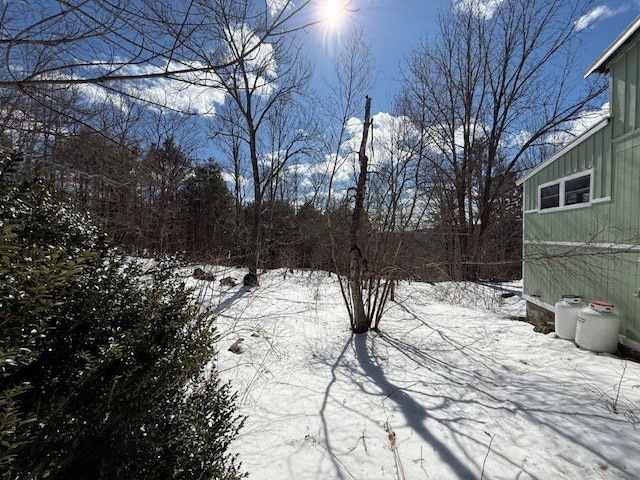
102, 369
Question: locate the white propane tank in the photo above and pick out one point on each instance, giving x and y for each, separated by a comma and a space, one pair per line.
598, 327
567, 316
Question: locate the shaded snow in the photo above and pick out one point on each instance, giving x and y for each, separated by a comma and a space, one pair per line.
445, 391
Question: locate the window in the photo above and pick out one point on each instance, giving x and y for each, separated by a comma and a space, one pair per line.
566, 192
577, 190
550, 196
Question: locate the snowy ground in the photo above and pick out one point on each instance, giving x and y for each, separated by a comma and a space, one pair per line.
450, 389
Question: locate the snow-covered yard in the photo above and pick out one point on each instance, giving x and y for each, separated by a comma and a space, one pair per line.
450, 388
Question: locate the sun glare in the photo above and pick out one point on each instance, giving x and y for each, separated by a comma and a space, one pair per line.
333, 11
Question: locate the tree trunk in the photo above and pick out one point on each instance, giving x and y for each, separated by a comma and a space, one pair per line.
251, 279
360, 322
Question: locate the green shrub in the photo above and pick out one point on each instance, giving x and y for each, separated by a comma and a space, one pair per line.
101, 369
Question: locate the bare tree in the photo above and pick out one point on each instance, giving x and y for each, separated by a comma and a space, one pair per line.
380, 196
235, 163
263, 90
99, 176
396, 210
360, 322
482, 94
351, 80
180, 57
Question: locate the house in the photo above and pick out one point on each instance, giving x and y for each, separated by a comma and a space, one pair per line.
581, 223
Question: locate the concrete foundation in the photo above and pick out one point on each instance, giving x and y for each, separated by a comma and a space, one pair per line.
542, 319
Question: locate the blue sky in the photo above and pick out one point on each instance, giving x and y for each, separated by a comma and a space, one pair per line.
395, 27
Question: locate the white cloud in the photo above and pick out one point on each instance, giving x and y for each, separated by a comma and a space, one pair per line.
196, 99
443, 140
580, 125
196, 92
516, 139
243, 40
260, 62
598, 13
103, 96
276, 6
480, 8
231, 179
589, 119
354, 126
191, 92
341, 167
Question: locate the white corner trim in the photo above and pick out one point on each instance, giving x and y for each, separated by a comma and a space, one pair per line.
538, 302
579, 139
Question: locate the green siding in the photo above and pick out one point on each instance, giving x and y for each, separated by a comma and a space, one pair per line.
624, 90
593, 153
556, 260
553, 263
594, 274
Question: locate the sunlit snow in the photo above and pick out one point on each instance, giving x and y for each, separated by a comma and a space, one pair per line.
450, 388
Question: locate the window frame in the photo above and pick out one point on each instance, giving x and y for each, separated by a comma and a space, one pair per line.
562, 183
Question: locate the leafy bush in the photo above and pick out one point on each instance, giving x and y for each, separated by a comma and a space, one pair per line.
101, 373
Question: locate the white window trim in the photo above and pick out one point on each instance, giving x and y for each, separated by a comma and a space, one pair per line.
608, 246
562, 182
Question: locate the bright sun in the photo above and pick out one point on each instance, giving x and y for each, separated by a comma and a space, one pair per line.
332, 13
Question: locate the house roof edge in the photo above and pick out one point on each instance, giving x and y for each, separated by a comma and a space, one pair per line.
600, 64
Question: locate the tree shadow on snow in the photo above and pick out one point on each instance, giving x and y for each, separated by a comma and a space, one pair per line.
464, 375
532, 394
228, 302
415, 414
339, 466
